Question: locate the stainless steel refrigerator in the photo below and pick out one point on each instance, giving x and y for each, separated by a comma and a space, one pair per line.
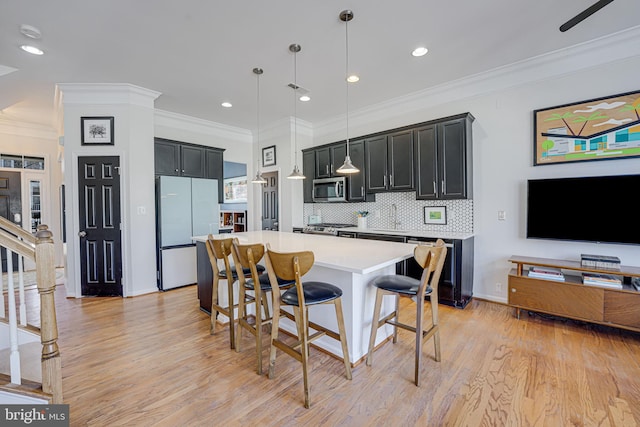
185, 207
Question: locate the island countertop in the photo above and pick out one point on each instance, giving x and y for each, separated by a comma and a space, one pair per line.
351, 255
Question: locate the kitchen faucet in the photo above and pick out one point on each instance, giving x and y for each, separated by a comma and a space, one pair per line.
394, 216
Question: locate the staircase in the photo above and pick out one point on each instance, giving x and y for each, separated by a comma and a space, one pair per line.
30, 365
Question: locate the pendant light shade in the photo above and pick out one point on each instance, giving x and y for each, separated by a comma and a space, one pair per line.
296, 174
259, 179
347, 167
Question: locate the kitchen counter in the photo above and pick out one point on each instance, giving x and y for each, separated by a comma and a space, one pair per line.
350, 264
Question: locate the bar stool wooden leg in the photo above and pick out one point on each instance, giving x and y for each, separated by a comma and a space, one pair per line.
242, 314
232, 320
259, 298
343, 336
375, 324
419, 339
436, 334
214, 305
396, 319
275, 325
301, 326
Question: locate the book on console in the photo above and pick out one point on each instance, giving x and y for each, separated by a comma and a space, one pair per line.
546, 273
599, 279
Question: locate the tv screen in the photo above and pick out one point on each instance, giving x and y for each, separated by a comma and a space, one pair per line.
593, 209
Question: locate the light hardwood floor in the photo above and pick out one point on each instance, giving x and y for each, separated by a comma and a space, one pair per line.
150, 360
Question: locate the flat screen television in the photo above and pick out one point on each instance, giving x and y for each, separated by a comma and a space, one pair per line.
591, 209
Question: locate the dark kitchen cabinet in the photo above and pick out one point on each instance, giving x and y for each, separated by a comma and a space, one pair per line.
389, 162
214, 169
176, 158
356, 181
443, 153
309, 170
167, 157
329, 159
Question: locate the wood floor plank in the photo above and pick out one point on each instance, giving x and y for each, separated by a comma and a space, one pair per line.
150, 361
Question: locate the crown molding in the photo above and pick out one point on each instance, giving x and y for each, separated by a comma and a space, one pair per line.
615, 47
194, 124
105, 93
10, 126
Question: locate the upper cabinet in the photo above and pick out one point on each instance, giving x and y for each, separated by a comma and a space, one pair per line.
329, 159
443, 153
309, 170
356, 191
195, 161
389, 162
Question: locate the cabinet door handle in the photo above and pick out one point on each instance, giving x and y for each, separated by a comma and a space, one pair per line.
362, 191
327, 169
176, 170
182, 170
434, 188
384, 183
390, 180
443, 187
332, 168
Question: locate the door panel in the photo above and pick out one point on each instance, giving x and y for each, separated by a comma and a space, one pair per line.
10, 206
270, 202
100, 239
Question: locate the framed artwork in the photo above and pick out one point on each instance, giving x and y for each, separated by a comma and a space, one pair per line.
269, 156
598, 129
435, 215
235, 190
96, 130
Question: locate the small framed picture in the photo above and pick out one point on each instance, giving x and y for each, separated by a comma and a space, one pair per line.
269, 156
435, 215
96, 130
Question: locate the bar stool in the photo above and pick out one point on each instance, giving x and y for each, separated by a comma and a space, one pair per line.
246, 257
292, 266
219, 250
431, 259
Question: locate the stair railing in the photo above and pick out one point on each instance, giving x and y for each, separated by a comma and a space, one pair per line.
40, 249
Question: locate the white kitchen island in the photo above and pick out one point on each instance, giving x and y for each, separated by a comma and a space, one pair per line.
350, 264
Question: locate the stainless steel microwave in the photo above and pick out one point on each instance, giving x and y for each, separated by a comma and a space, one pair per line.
330, 189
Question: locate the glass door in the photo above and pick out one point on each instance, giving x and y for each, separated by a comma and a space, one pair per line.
35, 204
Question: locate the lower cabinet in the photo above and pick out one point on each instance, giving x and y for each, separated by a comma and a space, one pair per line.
456, 281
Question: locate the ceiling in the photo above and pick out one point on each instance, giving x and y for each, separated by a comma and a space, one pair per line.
199, 53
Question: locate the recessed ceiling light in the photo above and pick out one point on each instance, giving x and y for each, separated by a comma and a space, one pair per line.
353, 78
226, 104
31, 49
305, 98
420, 51
30, 31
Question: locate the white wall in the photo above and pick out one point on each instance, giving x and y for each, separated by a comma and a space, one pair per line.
502, 103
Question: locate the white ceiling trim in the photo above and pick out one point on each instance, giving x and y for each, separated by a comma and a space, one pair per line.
615, 47
107, 93
206, 127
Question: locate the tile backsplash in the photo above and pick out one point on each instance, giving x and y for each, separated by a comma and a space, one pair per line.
410, 213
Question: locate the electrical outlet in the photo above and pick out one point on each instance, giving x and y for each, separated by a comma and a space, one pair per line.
502, 215
498, 287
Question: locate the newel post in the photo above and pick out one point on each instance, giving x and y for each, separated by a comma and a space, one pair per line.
46, 280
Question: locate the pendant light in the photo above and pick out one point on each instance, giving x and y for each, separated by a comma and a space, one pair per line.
347, 167
259, 179
296, 174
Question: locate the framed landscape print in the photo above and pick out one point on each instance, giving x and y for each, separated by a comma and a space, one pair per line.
598, 129
96, 130
435, 215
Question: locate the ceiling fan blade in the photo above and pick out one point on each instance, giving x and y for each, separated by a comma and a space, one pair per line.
584, 14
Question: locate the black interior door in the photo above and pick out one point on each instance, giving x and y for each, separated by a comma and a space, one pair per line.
10, 206
100, 239
270, 202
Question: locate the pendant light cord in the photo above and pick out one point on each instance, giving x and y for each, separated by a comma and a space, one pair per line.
295, 115
346, 31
